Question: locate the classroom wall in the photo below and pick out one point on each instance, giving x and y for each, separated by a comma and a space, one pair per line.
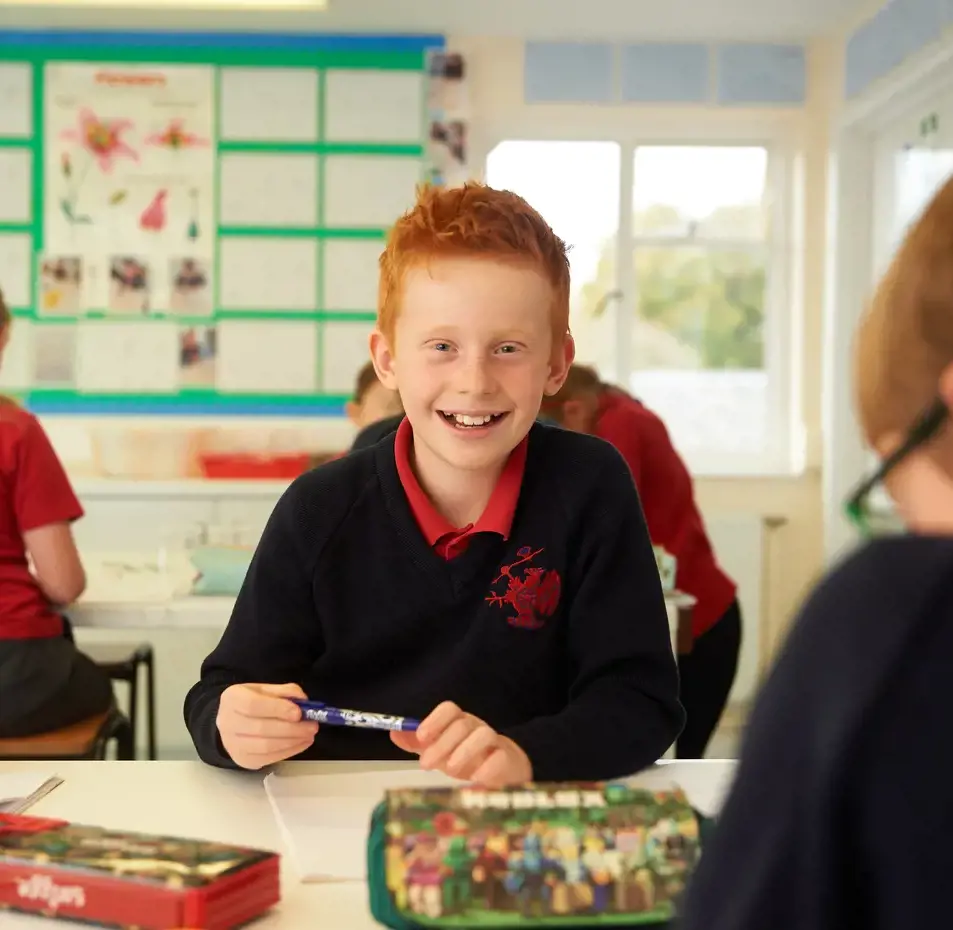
794, 547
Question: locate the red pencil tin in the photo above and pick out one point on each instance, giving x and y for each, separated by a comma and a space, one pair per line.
121, 879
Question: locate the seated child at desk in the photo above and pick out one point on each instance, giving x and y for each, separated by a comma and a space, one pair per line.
376, 410
372, 401
45, 683
841, 811
487, 573
707, 673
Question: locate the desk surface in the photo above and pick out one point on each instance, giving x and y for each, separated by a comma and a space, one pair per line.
191, 799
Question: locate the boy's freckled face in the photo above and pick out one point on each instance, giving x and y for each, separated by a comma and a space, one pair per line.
473, 357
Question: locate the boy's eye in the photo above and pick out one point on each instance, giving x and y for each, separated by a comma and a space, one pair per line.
442, 346
507, 349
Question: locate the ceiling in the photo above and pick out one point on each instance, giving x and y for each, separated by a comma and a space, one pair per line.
781, 20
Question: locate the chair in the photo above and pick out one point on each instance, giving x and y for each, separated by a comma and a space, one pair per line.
87, 739
122, 662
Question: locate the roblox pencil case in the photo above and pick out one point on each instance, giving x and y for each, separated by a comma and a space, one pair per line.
554, 855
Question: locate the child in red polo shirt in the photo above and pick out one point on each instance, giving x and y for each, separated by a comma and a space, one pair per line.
585, 404
45, 682
480, 570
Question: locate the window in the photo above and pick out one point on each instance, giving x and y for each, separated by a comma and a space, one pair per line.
701, 254
918, 174
673, 296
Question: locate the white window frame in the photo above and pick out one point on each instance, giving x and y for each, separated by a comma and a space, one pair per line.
861, 198
783, 453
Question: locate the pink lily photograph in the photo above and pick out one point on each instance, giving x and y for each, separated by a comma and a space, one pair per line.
96, 143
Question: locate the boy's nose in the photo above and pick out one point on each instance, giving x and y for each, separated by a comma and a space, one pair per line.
476, 378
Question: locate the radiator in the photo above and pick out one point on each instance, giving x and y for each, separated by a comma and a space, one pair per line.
739, 541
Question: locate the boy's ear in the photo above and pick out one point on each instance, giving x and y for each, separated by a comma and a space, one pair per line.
383, 359
559, 365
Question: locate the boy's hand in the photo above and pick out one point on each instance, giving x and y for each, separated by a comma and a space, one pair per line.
259, 725
466, 748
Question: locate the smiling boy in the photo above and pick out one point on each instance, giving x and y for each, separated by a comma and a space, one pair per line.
487, 573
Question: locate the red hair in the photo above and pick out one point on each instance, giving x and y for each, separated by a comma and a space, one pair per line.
472, 221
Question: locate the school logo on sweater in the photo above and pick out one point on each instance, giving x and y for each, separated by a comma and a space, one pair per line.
531, 593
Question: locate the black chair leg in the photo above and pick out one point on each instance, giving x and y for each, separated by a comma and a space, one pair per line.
134, 707
151, 707
125, 742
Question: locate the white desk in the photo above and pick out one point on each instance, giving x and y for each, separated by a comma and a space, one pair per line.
125, 613
190, 799
125, 592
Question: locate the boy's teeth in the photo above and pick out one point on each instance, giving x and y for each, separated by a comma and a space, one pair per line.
471, 421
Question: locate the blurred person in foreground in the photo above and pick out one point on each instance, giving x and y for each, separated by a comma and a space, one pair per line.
842, 809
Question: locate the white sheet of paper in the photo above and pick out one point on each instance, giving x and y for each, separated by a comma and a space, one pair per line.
20, 790
325, 819
269, 104
127, 357
267, 357
16, 372
268, 190
350, 274
368, 105
16, 268
706, 783
16, 99
368, 190
345, 349
268, 274
16, 185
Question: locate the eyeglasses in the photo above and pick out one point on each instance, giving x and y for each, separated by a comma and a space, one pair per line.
926, 426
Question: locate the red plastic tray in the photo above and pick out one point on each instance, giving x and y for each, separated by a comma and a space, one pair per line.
245, 466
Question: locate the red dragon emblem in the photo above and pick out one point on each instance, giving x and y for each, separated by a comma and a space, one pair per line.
534, 596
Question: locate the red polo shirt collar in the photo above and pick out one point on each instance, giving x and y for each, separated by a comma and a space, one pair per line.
448, 540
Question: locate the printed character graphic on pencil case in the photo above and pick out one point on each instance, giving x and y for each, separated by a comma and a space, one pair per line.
553, 854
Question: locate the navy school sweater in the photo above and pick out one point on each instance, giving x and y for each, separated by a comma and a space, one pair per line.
557, 637
842, 810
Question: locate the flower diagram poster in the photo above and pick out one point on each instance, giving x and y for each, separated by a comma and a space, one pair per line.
128, 190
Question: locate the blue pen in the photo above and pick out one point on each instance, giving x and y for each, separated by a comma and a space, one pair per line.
319, 712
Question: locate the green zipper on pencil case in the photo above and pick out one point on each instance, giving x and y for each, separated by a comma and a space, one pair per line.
570, 856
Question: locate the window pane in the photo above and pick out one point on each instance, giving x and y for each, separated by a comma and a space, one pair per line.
575, 186
696, 191
699, 308
919, 173
698, 345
